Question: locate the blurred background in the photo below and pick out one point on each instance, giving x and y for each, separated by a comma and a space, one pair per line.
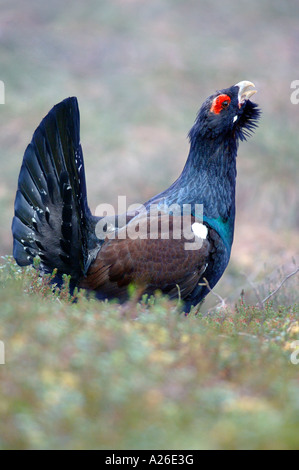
141, 70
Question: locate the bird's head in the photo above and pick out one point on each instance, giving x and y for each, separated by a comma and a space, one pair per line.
228, 112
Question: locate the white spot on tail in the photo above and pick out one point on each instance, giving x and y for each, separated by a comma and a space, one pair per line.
200, 230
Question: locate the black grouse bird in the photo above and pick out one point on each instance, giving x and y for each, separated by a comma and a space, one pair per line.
53, 221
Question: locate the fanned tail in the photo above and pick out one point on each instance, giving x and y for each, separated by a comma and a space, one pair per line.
52, 218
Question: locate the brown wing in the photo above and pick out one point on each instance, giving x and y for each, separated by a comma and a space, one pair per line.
158, 253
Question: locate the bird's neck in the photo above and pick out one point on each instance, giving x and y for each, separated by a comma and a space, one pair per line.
209, 178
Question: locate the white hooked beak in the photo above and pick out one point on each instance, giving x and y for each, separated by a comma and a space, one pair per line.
244, 93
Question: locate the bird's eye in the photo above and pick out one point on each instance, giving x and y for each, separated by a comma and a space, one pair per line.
219, 103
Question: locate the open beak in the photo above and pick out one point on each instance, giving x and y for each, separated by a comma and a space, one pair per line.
244, 92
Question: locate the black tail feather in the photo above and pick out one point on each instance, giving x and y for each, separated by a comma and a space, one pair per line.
52, 217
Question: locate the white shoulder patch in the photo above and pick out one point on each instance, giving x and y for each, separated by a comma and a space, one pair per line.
200, 230
235, 118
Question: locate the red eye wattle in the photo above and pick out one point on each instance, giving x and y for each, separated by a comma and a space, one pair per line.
219, 103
